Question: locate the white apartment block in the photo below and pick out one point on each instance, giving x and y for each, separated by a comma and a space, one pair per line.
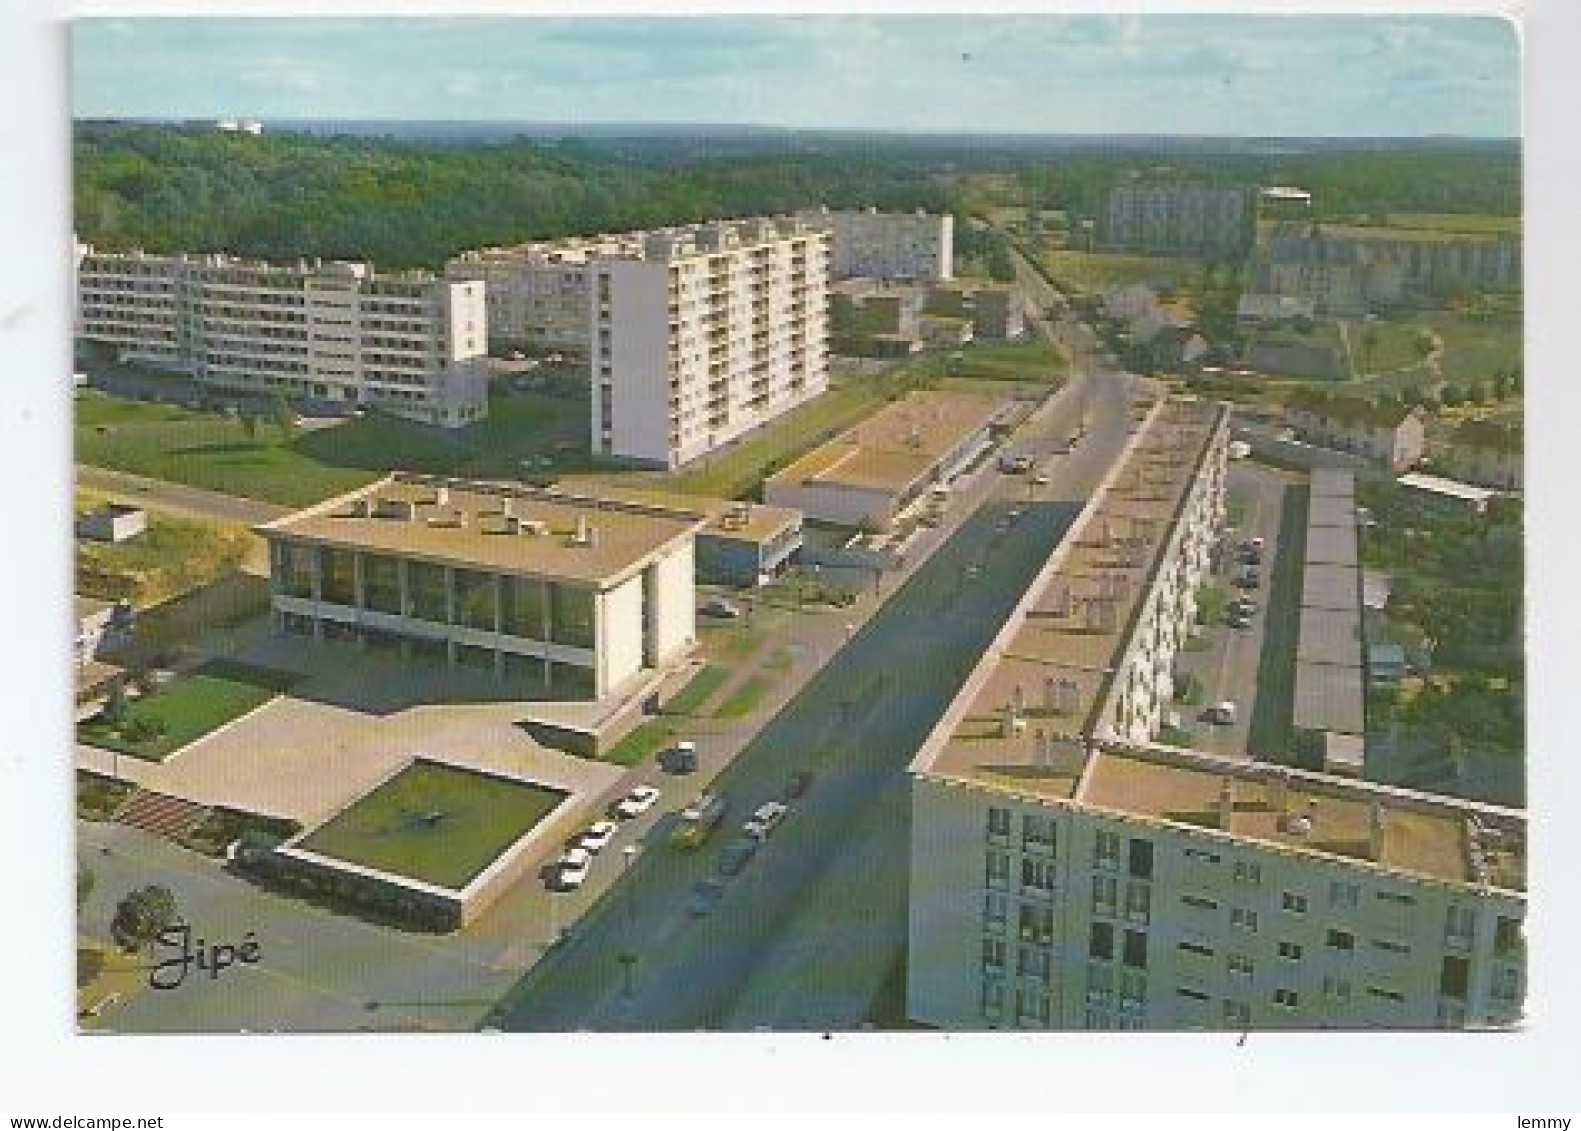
405, 342
1066, 873
716, 330
538, 293
1194, 219
888, 245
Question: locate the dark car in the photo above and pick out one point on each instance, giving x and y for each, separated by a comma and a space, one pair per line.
734, 856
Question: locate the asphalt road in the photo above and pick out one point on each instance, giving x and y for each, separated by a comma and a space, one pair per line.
805, 936
178, 497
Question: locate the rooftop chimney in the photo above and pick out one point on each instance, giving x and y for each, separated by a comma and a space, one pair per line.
1278, 790
1226, 802
1375, 829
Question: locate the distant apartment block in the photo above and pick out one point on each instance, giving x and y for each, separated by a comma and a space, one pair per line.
538, 294
714, 331
554, 595
405, 342
914, 246
1067, 872
993, 309
1179, 219
1388, 433
869, 474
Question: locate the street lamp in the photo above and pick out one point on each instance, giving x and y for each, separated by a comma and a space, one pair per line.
628, 956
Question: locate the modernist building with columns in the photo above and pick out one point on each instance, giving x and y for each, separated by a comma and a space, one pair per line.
558, 596
406, 342
1069, 872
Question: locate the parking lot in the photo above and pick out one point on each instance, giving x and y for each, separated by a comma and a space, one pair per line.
1229, 665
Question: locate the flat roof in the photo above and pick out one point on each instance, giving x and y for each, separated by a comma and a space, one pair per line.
1332, 481
722, 518
1423, 836
1330, 587
1057, 657
896, 446
1330, 636
1453, 488
1329, 698
1331, 545
405, 517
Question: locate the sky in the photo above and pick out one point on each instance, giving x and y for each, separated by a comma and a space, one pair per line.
1156, 74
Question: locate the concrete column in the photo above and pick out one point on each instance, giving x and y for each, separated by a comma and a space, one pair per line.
450, 613
318, 593
403, 586
359, 598
498, 584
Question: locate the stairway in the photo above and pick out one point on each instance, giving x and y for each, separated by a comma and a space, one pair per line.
161, 814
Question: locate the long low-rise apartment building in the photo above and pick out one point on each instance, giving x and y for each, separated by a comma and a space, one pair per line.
712, 332
1067, 872
539, 294
867, 475
406, 342
557, 595
871, 244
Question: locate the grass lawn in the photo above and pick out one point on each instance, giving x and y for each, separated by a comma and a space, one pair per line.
1384, 346
737, 472
734, 644
744, 698
696, 693
173, 556
646, 740
1100, 270
188, 707
1037, 361
1475, 350
206, 449
1433, 226
435, 823
99, 796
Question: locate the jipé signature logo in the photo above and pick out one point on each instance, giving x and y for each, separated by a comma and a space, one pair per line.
198, 954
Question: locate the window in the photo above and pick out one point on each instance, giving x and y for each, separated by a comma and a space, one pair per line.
1106, 851
1460, 927
1139, 861
1135, 953
1290, 950
1097, 1019
1037, 876
1506, 983
1246, 873
1194, 995
1240, 965
998, 824
1100, 942
1100, 984
1133, 989
1454, 977
1340, 940
1201, 901
1200, 855
571, 615
1196, 948
1138, 901
1386, 994
998, 870
1288, 999
1037, 835
1105, 894
1032, 1006
1506, 936
1392, 946
1036, 923
1237, 1014
993, 954
1336, 989
995, 912
1342, 894
1396, 897
1293, 903
993, 998
1032, 961
1244, 919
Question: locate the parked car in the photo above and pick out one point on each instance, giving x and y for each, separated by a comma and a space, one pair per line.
1249, 580
1237, 619
764, 820
1253, 544
719, 607
599, 835
571, 868
698, 820
705, 897
1243, 605
636, 803
1250, 557
734, 856
1221, 714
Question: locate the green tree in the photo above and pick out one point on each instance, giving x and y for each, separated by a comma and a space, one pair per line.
141, 915
249, 425
116, 704
284, 418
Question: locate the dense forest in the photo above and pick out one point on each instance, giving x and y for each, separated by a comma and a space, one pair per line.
414, 202
405, 203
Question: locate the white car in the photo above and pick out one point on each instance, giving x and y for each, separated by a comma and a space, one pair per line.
571, 869
1040, 480
636, 803
764, 819
598, 836
1221, 714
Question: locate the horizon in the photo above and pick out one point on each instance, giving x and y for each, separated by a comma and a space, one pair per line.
1290, 76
